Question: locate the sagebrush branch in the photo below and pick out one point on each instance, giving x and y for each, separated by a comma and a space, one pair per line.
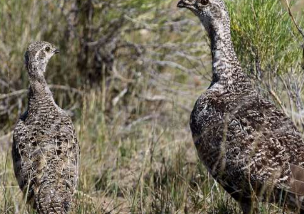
293, 19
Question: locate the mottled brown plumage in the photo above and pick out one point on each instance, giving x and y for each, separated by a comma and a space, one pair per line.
45, 148
248, 145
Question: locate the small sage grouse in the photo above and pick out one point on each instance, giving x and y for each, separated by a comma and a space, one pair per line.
45, 148
248, 145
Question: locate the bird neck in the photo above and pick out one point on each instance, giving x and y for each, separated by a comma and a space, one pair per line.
38, 86
225, 65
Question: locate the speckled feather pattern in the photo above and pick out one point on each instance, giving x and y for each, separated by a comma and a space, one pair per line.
247, 144
45, 153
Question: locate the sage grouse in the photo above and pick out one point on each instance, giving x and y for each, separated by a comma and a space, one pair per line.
249, 146
45, 149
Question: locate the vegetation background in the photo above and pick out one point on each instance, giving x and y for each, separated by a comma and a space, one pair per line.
129, 73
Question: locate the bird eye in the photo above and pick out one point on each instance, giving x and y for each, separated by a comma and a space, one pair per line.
47, 48
204, 2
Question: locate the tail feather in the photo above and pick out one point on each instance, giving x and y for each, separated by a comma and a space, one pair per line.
52, 199
297, 172
297, 180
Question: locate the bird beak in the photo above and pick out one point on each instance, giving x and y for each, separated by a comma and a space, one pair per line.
187, 4
56, 51
181, 4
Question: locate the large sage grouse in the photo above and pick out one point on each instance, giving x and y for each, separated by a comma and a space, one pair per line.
249, 146
45, 149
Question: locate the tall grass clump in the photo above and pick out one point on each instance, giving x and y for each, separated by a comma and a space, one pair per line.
265, 38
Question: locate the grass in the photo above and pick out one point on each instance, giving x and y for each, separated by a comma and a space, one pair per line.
137, 154
261, 37
146, 169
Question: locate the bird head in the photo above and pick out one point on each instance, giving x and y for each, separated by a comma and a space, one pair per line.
210, 12
37, 56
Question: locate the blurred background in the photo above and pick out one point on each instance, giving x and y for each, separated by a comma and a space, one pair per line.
129, 73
